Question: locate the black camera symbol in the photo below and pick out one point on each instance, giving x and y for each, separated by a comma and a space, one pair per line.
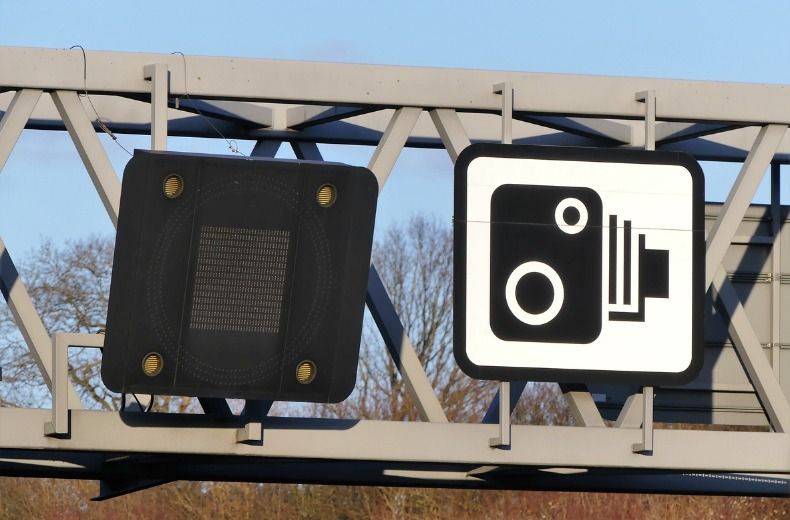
547, 265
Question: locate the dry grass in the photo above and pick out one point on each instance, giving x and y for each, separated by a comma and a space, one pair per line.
62, 499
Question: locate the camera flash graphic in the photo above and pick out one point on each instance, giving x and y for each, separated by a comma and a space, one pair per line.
646, 276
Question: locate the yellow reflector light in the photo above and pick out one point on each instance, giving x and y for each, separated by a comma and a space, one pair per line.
326, 195
305, 372
173, 186
152, 364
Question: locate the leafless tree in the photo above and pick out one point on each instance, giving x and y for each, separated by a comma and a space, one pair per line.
69, 286
415, 264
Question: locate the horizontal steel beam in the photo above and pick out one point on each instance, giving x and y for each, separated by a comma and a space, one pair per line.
426, 442
392, 86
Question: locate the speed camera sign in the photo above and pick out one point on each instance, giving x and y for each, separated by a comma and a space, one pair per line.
578, 265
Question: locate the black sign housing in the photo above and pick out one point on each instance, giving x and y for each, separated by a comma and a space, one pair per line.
242, 277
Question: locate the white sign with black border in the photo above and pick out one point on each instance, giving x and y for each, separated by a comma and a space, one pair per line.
578, 264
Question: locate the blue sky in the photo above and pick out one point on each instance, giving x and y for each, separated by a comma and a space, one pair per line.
44, 191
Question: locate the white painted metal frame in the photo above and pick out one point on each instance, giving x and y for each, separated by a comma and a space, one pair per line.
392, 107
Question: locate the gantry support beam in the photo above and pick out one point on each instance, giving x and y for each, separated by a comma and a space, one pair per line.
395, 441
15, 119
392, 143
451, 131
93, 155
271, 102
385, 86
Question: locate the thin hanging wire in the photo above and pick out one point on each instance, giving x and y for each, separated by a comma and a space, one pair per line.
233, 146
85, 94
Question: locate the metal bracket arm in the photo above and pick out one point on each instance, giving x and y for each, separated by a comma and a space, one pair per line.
648, 97
646, 446
503, 440
159, 77
506, 90
59, 426
492, 413
252, 433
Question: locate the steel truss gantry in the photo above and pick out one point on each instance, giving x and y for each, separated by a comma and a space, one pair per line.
304, 103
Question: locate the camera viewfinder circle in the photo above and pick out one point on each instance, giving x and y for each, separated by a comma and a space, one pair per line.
539, 318
559, 215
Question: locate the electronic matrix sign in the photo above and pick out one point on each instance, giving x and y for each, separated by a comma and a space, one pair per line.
239, 277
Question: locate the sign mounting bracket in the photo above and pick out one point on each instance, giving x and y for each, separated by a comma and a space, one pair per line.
503, 440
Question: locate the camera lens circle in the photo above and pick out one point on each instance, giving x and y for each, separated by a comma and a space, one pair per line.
559, 215
530, 318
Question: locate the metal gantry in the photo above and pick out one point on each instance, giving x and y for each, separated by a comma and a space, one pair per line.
303, 103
